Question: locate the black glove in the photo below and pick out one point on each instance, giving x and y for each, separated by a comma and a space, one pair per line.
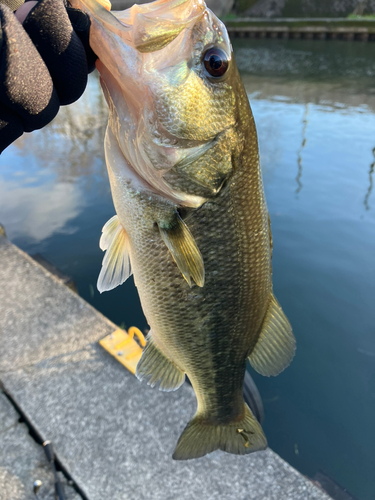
43, 64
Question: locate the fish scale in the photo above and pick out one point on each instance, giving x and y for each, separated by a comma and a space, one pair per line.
196, 232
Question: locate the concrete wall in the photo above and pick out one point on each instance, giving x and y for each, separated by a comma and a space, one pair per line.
304, 8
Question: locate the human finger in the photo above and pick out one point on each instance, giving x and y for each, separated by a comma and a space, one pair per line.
51, 31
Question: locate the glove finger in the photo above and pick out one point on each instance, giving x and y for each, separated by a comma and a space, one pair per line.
26, 87
49, 28
81, 24
10, 127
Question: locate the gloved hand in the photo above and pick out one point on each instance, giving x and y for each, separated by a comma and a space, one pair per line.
43, 64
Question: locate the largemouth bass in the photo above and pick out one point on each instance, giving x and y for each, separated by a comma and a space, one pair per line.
192, 223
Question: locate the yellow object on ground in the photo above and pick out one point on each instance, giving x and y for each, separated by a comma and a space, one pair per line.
122, 346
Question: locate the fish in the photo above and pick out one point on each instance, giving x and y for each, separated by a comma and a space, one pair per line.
191, 222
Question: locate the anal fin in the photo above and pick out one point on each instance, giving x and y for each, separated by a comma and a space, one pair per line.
276, 344
116, 262
156, 368
184, 250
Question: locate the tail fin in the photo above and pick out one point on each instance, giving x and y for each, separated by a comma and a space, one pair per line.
201, 437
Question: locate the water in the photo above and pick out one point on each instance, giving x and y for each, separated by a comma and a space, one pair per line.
314, 105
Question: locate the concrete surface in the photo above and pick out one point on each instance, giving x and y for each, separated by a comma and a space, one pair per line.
114, 435
22, 461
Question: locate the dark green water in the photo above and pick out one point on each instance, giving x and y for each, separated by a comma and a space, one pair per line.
314, 105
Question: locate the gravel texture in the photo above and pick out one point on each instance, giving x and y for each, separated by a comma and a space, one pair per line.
22, 461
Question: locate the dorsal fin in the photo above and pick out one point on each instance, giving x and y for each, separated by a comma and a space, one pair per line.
116, 262
184, 250
276, 343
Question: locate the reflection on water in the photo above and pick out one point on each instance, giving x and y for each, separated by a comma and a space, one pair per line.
367, 197
73, 141
314, 105
36, 208
299, 154
47, 177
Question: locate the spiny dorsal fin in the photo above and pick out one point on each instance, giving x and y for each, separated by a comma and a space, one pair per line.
156, 368
184, 250
116, 262
276, 344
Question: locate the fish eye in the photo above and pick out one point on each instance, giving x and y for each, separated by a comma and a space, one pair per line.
215, 61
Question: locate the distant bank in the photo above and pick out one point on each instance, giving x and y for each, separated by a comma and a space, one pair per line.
308, 29
279, 8
304, 8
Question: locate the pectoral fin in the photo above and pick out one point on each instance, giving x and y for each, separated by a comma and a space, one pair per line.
184, 250
276, 344
116, 262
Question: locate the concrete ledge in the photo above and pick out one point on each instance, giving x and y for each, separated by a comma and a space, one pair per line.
22, 461
112, 434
